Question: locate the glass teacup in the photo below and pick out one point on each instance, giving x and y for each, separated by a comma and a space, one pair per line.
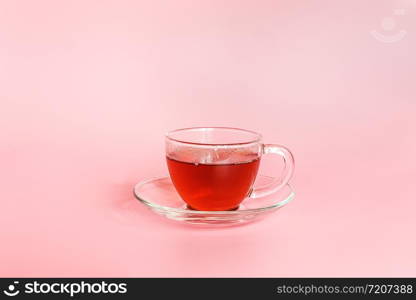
214, 168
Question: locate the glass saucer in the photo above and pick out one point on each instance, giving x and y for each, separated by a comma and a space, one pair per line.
160, 196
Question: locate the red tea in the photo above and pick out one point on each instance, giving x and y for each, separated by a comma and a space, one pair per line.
213, 186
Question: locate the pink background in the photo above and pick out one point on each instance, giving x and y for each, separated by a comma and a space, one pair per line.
88, 89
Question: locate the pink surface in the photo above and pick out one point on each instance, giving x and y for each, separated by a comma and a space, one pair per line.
88, 88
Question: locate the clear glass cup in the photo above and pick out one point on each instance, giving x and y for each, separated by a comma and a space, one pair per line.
214, 168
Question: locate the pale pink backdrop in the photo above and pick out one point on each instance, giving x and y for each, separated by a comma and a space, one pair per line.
88, 89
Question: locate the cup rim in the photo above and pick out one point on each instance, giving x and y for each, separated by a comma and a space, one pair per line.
257, 139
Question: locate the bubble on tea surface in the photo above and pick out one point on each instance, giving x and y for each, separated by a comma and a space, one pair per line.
222, 156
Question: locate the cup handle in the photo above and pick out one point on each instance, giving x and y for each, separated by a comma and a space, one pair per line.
277, 183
